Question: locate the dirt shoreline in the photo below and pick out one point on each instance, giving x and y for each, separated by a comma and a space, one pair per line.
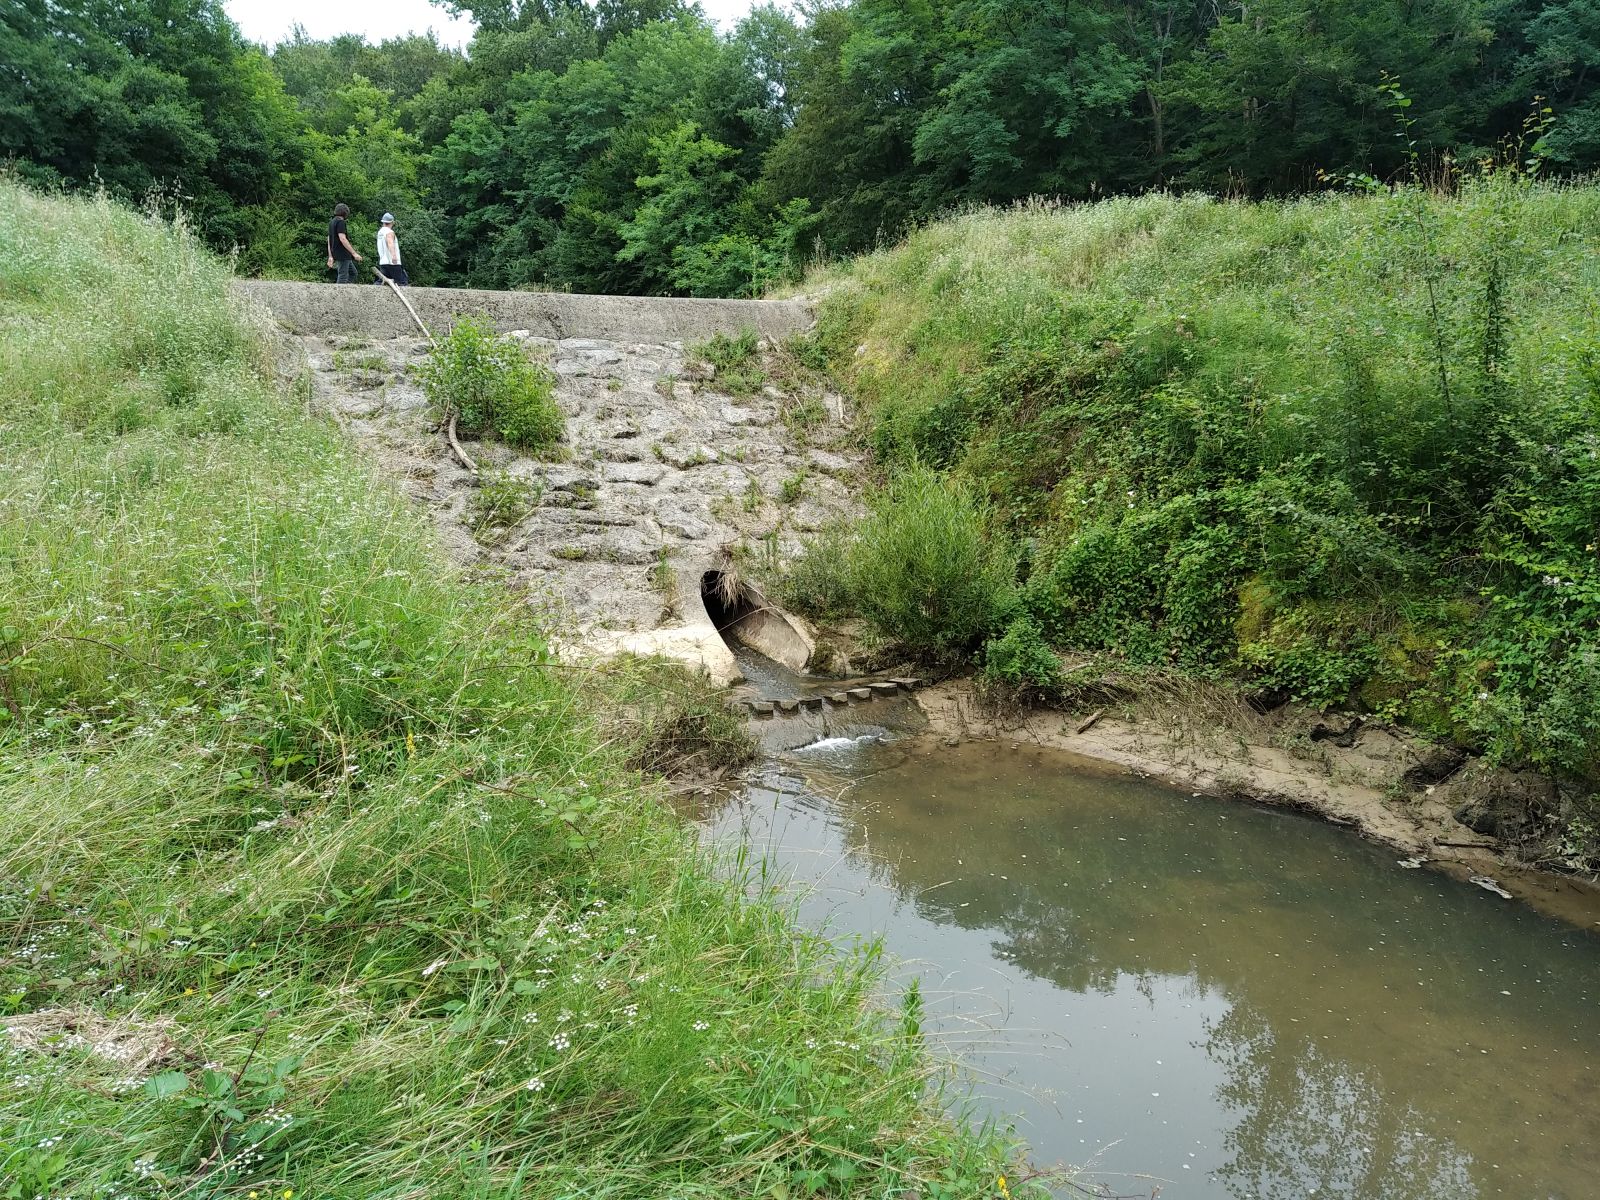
1362, 786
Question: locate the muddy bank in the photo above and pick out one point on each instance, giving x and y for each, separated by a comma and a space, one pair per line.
1370, 778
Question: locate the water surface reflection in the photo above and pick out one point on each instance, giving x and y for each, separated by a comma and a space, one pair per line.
1236, 1002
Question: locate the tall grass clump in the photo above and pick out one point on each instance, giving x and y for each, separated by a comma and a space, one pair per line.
1346, 445
493, 386
318, 877
924, 567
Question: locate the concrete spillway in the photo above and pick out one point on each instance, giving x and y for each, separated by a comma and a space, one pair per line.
664, 469
320, 310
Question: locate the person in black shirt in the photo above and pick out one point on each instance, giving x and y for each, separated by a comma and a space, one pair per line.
342, 256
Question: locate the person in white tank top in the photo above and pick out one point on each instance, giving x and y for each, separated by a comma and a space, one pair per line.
389, 263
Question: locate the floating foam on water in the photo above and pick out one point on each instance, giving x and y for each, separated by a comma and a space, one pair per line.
842, 743
832, 743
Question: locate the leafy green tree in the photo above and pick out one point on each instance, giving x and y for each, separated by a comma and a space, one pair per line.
142, 97
1563, 57
858, 89
1283, 88
690, 196
314, 72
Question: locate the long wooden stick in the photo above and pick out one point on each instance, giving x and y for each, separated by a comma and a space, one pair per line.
450, 416
395, 288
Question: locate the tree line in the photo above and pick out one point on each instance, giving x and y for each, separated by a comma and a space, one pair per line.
627, 146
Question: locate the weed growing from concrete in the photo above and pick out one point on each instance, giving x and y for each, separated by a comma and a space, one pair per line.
662, 575
497, 391
736, 362
501, 502
793, 487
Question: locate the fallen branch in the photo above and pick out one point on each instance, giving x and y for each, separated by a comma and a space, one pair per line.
1091, 720
395, 288
455, 446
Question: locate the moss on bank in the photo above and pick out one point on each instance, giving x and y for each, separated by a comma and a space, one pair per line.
318, 876
1346, 449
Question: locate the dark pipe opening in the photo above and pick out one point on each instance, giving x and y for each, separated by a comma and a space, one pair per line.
725, 601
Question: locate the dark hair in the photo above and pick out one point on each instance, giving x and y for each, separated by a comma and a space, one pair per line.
341, 210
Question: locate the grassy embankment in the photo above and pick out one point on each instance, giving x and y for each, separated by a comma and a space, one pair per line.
374, 902
1345, 449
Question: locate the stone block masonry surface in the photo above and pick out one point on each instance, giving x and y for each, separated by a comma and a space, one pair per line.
653, 484
325, 309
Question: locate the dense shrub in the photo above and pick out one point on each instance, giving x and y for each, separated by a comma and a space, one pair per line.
818, 581
926, 570
494, 388
1020, 660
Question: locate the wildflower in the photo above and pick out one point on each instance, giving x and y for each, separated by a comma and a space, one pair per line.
535, 1084
701, 1026
560, 1042
1004, 1190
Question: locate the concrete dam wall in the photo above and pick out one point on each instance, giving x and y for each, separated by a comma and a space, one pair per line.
322, 309
663, 474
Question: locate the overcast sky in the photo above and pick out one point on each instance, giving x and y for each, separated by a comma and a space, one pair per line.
269, 21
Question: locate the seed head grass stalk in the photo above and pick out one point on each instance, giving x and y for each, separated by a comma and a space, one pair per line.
317, 877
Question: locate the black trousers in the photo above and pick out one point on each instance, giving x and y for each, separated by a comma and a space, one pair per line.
396, 272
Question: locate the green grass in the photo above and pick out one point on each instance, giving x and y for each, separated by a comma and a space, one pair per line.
736, 361
1345, 446
373, 892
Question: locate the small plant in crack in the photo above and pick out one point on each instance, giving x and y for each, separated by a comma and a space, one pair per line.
501, 503
793, 487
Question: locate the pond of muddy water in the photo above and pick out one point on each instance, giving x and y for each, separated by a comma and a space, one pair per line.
1175, 991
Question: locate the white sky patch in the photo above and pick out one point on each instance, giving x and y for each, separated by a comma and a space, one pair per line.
270, 21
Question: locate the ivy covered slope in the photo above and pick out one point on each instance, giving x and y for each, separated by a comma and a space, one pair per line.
1345, 447
317, 876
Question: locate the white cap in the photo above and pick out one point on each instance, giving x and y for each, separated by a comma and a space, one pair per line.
388, 218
